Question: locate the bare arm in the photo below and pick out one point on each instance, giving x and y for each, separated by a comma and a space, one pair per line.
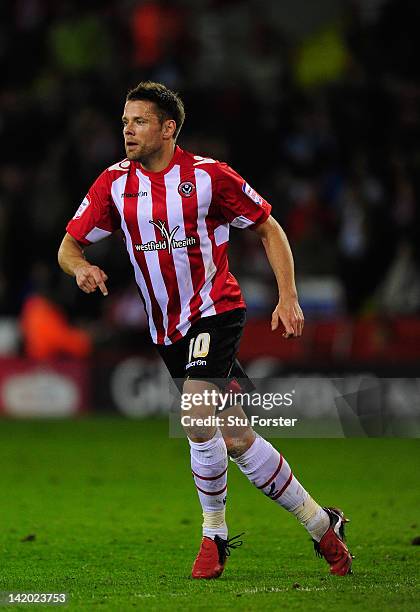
72, 260
280, 257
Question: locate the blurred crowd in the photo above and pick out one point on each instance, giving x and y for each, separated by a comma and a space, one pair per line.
324, 122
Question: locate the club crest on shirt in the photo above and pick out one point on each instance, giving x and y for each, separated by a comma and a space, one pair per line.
252, 194
186, 189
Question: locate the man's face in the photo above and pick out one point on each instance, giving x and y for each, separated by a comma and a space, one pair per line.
143, 133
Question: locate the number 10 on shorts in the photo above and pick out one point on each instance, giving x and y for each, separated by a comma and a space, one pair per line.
199, 346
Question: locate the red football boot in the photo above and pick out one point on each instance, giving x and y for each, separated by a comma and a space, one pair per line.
332, 545
211, 559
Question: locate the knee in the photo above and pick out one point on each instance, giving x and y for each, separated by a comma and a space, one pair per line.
237, 445
197, 421
199, 435
197, 429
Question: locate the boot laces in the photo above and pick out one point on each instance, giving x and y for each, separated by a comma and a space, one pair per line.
225, 546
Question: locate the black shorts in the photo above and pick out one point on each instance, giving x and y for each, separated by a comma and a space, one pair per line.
208, 351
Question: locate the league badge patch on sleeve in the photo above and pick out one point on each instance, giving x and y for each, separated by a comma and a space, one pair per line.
252, 194
81, 209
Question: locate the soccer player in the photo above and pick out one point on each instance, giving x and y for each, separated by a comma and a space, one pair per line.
175, 210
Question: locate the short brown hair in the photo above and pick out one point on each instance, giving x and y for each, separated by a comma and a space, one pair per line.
169, 104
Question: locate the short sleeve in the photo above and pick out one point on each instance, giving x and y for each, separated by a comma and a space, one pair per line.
238, 203
96, 217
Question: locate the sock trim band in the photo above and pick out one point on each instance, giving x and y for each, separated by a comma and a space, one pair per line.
211, 492
282, 490
273, 475
209, 477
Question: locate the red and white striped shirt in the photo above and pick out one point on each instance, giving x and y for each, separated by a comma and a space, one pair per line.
176, 227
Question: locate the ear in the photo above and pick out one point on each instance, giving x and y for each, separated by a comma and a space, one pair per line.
169, 127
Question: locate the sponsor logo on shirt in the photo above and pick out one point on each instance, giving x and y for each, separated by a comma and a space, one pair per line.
138, 194
197, 362
81, 209
168, 239
186, 189
252, 194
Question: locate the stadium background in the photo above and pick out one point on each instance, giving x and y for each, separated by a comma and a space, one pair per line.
318, 107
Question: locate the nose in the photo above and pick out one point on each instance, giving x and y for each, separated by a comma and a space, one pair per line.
128, 129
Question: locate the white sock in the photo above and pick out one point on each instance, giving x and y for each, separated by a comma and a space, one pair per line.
269, 471
209, 467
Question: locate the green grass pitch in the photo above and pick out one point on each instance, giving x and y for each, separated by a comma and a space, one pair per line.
116, 521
